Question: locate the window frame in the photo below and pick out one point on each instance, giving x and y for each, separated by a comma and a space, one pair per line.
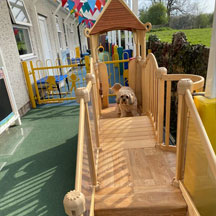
59, 32
29, 55
13, 18
65, 33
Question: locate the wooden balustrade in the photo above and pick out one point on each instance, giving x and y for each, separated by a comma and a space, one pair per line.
156, 97
194, 152
85, 139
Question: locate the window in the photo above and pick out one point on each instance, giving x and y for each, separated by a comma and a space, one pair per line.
22, 40
18, 12
21, 18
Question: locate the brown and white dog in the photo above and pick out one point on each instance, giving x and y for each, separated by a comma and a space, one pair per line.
126, 100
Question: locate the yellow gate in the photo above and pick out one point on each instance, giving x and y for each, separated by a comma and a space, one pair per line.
53, 84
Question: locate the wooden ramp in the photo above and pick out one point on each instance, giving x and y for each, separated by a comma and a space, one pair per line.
135, 176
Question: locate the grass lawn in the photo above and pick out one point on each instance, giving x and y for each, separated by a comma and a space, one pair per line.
194, 36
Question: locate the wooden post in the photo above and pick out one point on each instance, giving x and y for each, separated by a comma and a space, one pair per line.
143, 44
160, 73
28, 82
168, 104
94, 44
182, 123
91, 77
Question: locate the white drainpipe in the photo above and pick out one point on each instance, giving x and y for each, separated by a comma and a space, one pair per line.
210, 90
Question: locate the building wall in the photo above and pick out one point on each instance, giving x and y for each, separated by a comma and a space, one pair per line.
11, 57
8, 44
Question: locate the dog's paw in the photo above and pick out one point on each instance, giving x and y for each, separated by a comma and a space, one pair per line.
118, 111
135, 113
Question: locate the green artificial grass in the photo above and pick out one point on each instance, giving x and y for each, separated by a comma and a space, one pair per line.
42, 169
194, 36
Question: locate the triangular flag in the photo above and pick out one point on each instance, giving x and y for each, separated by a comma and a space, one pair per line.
93, 11
84, 8
91, 23
71, 4
87, 6
80, 19
76, 2
92, 4
103, 2
98, 4
79, 6
64, 2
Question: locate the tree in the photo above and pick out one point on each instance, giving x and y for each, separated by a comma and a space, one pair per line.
178, 7
143, 15
156, 14
204, 20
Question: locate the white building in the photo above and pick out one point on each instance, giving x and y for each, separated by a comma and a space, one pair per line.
35, 30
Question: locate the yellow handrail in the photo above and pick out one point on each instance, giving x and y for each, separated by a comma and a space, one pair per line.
56, 67
116, 61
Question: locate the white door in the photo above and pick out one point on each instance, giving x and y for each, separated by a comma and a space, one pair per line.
45, 38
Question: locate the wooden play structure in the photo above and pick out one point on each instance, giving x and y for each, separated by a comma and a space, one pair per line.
127, 166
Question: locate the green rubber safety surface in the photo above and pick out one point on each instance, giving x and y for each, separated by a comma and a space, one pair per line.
40, 169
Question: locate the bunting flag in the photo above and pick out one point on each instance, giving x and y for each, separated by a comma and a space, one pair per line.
71, 5
93, 11
92, 4
103, 2
84, 8
64, 2
81, 19
87, 6
76, 2
79, 6
98, 4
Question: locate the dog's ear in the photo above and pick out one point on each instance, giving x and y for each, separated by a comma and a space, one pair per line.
115, 88
131, 99
118, 100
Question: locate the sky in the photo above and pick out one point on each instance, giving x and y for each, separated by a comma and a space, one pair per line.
206, 6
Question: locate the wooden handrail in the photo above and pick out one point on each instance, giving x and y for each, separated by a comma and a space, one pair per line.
198, 81
89, 87
79, 161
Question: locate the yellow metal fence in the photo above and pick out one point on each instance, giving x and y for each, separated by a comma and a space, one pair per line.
117, 69
53, 83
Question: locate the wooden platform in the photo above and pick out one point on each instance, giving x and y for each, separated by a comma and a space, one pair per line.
135, 176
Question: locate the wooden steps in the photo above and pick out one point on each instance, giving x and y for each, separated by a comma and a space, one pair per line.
135, 176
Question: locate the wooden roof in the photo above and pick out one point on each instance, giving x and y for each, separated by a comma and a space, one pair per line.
116, 16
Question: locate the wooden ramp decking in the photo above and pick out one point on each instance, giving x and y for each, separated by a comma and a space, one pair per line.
135, 176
